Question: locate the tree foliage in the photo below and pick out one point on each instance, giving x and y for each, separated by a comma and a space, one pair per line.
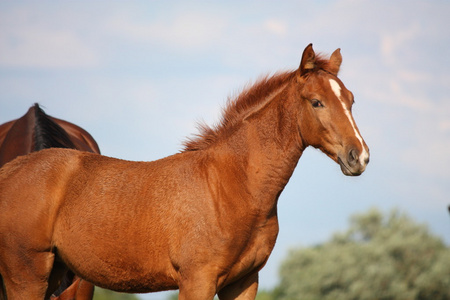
379, 257
102, 294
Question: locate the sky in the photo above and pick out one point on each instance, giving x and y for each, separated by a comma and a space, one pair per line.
139, 76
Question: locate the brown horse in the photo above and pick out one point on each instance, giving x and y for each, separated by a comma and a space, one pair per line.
33, 132
36, 131
203, 220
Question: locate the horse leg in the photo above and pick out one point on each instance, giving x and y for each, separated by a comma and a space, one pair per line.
197, 287
78, 290
60, 279
244, 289
26, 275
68, 293
85, 290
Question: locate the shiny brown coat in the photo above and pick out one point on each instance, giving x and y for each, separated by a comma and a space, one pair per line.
203, 220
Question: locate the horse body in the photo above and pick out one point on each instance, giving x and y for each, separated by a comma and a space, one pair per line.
32, 132
171, 228
203, 220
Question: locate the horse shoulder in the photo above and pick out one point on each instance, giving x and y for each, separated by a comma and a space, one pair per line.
242, 232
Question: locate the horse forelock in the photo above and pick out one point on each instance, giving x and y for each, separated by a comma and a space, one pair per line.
238, 108
47, 133
321, 63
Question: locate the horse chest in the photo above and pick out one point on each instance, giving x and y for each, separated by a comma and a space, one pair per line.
253, 254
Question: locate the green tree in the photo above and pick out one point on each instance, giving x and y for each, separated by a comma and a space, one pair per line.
379, 257
102, 294
262, 295
173, 296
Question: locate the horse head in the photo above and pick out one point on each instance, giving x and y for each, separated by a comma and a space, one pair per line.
326, 121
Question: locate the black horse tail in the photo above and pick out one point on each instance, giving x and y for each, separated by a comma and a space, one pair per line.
2, 289
47, 133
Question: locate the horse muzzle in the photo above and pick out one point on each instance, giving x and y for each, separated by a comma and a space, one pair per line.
354, 162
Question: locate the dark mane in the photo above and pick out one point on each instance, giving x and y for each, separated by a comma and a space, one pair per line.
47, 133
236, 109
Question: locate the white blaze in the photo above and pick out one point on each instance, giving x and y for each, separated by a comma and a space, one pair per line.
337, 91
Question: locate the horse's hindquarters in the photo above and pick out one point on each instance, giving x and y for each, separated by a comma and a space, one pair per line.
29, 191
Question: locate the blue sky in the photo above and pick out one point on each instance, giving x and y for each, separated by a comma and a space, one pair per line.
139, 75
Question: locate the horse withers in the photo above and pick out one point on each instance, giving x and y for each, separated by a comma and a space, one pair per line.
203, 221
33, 132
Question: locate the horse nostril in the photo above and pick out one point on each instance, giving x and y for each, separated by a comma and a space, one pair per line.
353, 157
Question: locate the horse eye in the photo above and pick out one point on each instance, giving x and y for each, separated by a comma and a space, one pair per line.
316, 103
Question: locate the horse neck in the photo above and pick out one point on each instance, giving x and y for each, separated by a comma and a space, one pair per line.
267, 146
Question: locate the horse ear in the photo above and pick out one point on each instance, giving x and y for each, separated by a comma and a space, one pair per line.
308, 62
335, 62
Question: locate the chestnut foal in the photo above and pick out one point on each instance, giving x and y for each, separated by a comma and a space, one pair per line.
203, 220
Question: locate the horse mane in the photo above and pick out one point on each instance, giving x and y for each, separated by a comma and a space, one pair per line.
47, 133
236, 109
241, 106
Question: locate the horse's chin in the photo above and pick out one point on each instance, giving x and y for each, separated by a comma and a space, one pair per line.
347, 170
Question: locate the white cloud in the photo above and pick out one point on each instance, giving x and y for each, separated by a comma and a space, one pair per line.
444, 126
27, 40
38, 48
187, 30
394, 42
276, 27
401, 95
